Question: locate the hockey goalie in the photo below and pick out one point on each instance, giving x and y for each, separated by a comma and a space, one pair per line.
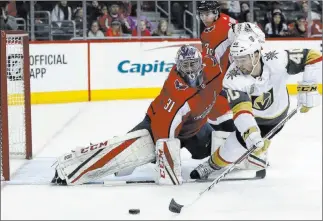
176, 118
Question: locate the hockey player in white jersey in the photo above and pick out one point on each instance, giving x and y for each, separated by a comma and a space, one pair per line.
255, 85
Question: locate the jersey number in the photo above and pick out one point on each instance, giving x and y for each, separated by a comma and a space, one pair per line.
169, 106
232, 95
296, 55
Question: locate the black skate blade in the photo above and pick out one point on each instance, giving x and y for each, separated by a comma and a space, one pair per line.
175, 207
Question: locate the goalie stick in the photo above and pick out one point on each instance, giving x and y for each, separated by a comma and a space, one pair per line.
250, 175
177, 208
260, 174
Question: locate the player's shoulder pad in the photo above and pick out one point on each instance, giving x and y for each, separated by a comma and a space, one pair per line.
275, 59
234, 79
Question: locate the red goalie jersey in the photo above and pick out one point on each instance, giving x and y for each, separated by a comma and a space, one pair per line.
180, 111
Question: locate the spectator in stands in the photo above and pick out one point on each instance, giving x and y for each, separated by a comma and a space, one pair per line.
246, 17
114, 12
61, 12
234, 8
177, 9
277, 27
115, 30
114, 9
23, 8
162, 29
11, 8
95, 32
244, 12
316, 28
103, 19
244, 7
275, 6
305, 8
231, 8
298, 28
7, 22
143, 29
132, 19
78, 18
93, 11
126, 8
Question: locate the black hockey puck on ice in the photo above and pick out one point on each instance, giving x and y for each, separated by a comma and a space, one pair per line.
134, 211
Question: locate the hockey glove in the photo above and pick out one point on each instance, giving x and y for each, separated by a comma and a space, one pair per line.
308, 96
252, 137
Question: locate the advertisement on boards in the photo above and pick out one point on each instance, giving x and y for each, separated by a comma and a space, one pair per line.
58, 67
132, 64
146, 64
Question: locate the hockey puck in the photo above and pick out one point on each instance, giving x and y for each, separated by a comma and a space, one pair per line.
134, 211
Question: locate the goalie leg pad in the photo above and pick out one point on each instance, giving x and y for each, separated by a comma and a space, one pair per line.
125, 172
99, 160
168, 163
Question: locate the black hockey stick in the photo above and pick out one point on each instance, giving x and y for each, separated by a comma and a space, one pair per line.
176, 207
260, 174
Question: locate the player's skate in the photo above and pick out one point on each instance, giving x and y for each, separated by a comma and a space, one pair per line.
204, 170
254, 162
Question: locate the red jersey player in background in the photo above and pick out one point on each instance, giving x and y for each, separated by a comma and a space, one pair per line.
216, 44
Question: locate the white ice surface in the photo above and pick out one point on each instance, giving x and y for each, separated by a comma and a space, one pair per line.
291, 190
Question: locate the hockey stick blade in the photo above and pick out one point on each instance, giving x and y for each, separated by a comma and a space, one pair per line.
239, 160
260, 174
175, 207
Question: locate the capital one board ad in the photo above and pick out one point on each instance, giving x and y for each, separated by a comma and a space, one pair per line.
132, 64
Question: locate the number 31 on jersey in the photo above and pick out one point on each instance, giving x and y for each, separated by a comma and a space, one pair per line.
169, 106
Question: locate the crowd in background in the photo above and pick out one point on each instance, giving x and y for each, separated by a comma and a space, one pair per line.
104, 19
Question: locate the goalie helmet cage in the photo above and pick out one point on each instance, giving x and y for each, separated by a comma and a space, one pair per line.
15, 108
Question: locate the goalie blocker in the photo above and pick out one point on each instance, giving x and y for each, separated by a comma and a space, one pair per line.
118, 154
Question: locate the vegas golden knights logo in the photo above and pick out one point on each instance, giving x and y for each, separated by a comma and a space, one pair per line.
263, 101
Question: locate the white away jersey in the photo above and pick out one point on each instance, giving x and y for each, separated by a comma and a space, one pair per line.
266, 96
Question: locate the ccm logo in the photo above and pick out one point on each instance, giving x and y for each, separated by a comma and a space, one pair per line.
94, 147
307, 88
161, 163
